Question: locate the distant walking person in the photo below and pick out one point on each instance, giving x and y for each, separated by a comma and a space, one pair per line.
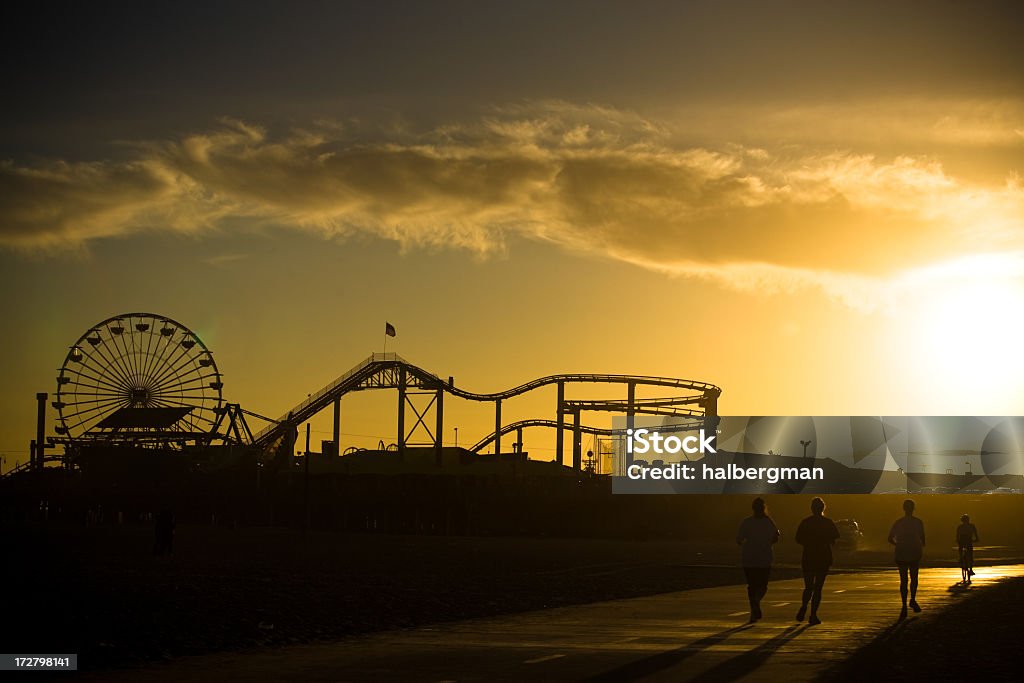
907, 534
816, 534
756, 536
164, 532
966, 537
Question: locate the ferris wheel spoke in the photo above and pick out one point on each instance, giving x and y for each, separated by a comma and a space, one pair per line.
176, 366
181, 354
76, 425
196, 412
144, 346
107, 368
148, 368
137, 340
125, 353
97, 381
172, 364
131, 348
99, 364
115, 356
184, 404
178, 401
84, 403
190, 394
113, 363
196, 382
192, 383
91, 421
200, 415
90, 418
195, 402
72, 396
100, 377
146, 379
77, 387
127, 339
101, 409
131, 352
153, 351
181, 379
196, 418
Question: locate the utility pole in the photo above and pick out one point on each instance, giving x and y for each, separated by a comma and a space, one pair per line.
40, 429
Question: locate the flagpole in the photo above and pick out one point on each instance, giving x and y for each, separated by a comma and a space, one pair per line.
389, 331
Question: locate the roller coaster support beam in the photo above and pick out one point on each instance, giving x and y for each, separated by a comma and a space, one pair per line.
630, 415
577, 441
497, 426
710, 405
337, 425
289, 439
560, 418
401, 412
439, 427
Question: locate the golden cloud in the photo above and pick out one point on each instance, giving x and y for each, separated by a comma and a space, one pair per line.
584, 178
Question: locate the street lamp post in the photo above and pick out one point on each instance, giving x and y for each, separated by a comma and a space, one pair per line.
456, 437
805, 444
908, 471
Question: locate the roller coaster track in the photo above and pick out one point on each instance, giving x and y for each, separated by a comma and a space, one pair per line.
648, 380
586, 429
390, 371
30, 465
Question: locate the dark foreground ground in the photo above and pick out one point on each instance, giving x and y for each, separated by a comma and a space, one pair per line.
101, 593
699, 635
977, 639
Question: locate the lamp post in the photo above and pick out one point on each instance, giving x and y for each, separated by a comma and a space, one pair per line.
908, 469
456, 437
805, 444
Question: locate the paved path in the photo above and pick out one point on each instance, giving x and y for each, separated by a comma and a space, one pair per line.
697, 635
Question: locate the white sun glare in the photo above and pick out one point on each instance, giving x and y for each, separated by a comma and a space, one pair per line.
969, 335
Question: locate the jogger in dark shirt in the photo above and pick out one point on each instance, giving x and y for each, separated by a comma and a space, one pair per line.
816, 534
756, 536
907, 534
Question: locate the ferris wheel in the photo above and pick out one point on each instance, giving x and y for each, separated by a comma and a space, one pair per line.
139, 377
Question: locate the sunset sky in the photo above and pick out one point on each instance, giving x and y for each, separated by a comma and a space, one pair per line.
817, 206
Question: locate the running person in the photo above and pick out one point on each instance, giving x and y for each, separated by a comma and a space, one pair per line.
907, 534
816, 534
966, 537
756, 536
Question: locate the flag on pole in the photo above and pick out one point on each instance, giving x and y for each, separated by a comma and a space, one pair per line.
389, 329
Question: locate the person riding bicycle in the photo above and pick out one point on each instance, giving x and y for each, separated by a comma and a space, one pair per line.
966, 537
